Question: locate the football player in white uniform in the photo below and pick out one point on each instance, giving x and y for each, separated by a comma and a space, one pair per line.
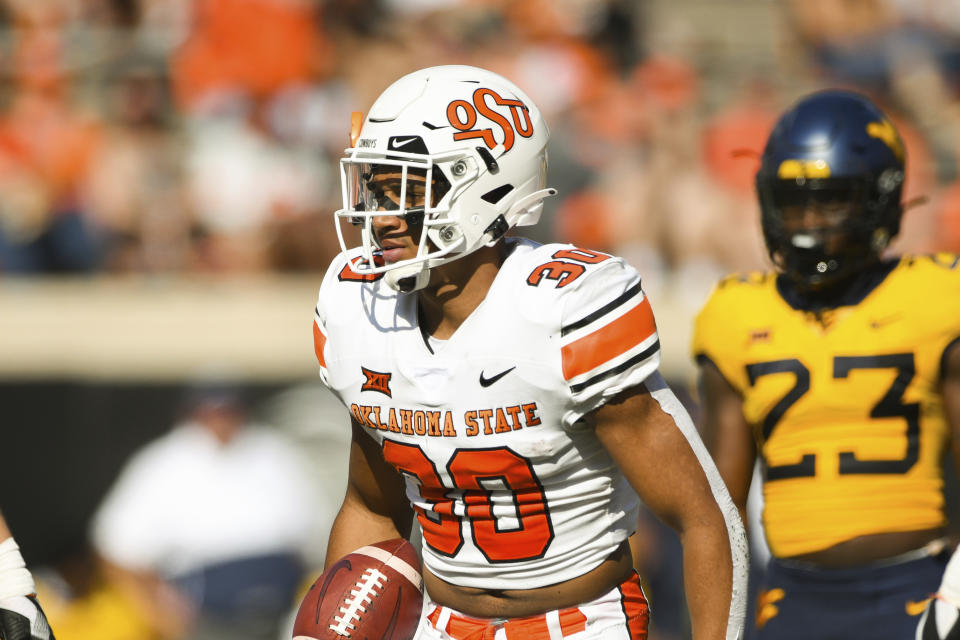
941, 618
507, 392
21, 617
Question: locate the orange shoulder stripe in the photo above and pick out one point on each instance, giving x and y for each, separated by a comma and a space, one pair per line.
608, 342
319, 342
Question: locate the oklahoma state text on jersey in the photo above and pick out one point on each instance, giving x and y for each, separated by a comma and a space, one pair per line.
846, 412
443, 424
509, 483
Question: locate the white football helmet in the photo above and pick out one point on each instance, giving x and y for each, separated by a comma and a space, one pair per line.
477, 141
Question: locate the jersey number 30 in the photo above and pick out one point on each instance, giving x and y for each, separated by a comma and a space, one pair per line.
477, 473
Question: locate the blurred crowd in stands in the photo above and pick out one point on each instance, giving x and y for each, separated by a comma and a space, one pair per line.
172, 137
184, 136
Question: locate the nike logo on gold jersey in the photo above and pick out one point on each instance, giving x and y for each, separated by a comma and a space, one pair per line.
486, 382
915, 608
881, 322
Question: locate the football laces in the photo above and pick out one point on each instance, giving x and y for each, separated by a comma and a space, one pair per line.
367, 588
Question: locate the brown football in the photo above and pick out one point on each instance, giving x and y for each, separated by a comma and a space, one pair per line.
374, 593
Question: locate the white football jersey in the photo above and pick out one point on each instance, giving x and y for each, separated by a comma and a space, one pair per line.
510, 485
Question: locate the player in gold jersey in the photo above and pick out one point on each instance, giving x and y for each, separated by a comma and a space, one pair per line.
840, 372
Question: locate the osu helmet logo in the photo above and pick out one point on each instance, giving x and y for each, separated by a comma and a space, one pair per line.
463, 116
376, 381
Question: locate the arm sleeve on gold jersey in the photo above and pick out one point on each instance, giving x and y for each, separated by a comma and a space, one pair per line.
608, 337
946, 292
718, 328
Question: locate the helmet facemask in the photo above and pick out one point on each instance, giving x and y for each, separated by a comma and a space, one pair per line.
820, 232
399, 185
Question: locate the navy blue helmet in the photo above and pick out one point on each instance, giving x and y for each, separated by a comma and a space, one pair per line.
830, 186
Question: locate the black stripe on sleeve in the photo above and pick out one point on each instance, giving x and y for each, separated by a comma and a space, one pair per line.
605, 309
623, 366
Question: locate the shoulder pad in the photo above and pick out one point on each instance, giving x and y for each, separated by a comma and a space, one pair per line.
754, 278
558, 266
943, 259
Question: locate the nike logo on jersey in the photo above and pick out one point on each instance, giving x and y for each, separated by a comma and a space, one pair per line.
486, 382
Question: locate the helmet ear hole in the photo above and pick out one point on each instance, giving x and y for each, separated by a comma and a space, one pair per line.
496, 195
497, 228
489, 160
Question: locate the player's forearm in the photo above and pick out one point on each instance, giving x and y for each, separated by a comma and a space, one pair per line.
708, 580
355, 527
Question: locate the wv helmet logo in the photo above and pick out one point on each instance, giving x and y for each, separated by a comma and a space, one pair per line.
885, 132
376, 381
463, 116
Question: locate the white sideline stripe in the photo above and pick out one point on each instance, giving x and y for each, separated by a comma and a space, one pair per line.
395, 563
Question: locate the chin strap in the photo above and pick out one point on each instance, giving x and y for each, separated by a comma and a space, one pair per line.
409, 278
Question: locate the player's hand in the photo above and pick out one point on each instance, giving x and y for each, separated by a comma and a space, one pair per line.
939, 621
21, 618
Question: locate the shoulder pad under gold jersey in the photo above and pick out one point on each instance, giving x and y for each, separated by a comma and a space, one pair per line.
755, 278
935, 276
736, 304
944, 260
738, 294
